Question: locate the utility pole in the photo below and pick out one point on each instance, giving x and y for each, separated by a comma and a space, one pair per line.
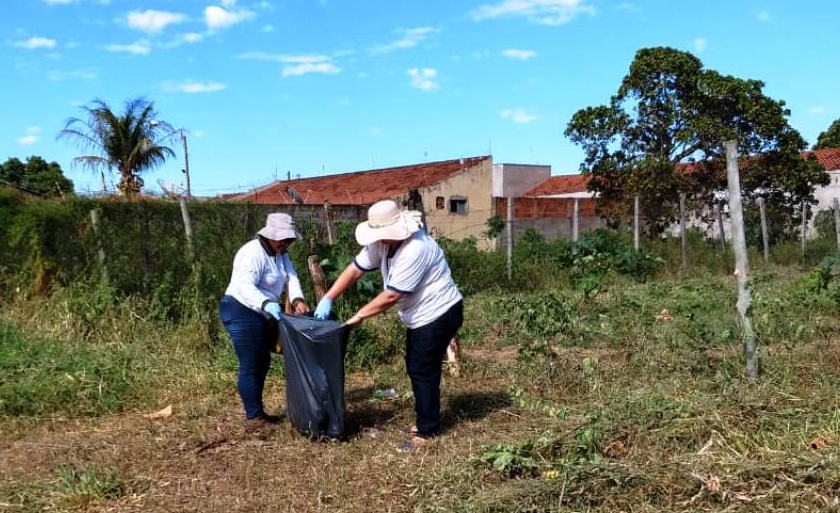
186, 163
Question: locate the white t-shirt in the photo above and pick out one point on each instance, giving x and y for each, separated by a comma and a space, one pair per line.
258, 277
418, 270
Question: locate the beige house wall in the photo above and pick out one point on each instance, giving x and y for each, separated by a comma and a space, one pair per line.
475, 185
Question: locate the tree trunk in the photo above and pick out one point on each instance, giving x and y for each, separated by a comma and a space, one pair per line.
765, 236
739, 246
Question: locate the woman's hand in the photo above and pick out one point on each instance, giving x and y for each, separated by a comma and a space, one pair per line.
354, 322
300, 307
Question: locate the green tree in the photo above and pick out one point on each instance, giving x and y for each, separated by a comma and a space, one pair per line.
129, 143
830, 138
36, 175
661, 134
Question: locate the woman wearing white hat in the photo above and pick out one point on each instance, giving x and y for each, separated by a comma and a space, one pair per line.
417, 279
262, 270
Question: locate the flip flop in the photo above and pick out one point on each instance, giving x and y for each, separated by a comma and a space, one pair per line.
416, 442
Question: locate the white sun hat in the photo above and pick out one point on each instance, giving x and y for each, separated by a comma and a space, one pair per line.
386, 221
279, 226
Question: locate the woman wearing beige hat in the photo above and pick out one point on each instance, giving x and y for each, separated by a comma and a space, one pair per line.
262, 271
417, 279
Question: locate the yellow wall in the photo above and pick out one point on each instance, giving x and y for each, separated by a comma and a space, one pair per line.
474, 183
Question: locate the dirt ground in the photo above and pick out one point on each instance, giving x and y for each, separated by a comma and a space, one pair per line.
201, 459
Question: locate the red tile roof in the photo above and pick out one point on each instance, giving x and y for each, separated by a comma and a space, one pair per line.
566, 184
563, 184
828, 157
361, 187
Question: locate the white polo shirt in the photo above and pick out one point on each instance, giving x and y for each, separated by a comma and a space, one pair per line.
258, 277
418, 270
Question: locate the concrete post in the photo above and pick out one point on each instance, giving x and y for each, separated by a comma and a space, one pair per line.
720, 226
803, 230
188, 231
509, 237
739, 246
100, 252
765, 236
837, 221
636, 218
683, 239
576, 220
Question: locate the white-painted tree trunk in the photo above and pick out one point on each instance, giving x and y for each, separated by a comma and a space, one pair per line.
739, 246
188, 231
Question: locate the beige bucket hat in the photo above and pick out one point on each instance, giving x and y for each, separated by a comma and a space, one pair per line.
279, 226
387, 221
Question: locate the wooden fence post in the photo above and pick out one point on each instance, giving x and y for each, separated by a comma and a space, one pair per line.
319, 283
837, 221
636, 219
327, 222
720, 226
100, 251
765, 236
739, 245
188, 231
509, 237
576, 220
683, 239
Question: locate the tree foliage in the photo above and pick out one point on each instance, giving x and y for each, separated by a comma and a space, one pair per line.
830, 138
36, 175
662, 132
129, 143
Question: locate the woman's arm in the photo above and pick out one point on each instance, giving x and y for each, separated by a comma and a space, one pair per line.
385, 300
350, 275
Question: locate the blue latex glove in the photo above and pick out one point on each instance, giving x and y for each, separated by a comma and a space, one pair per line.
322, 311
273, 309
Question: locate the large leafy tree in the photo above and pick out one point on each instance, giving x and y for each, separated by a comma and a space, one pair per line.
129, 143
36, 175
830, 138
661, 135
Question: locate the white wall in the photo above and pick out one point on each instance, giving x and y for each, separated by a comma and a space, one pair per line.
517, 179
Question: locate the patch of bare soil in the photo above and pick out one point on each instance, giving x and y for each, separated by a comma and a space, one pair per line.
207, 462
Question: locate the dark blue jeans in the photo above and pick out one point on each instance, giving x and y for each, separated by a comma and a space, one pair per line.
424, 351
253, 335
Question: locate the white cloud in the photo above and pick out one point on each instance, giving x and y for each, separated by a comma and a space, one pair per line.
699, 44
34, 43
33, 129
423, 78
192, 37
523, 55
193, 86
764, 16
153, 22
310, 67
28, 140
268, 28
284, 58
518, 115
138, 48
227, 4
629, 8
265, 6
219, 18
73, 44
410, 38
817, 110
545, 12
80, 74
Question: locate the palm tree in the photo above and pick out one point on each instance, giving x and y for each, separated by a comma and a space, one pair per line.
130, 143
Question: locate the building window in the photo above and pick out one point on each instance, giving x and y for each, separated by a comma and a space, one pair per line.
440, 203
458, 205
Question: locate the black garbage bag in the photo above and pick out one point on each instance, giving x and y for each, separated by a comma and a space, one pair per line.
313, 352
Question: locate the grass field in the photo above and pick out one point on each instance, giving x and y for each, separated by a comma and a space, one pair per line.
630, 400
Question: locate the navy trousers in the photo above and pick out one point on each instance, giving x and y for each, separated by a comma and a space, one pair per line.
253, 335
424, 351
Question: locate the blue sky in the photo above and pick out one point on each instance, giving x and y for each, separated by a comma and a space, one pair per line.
333, 86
